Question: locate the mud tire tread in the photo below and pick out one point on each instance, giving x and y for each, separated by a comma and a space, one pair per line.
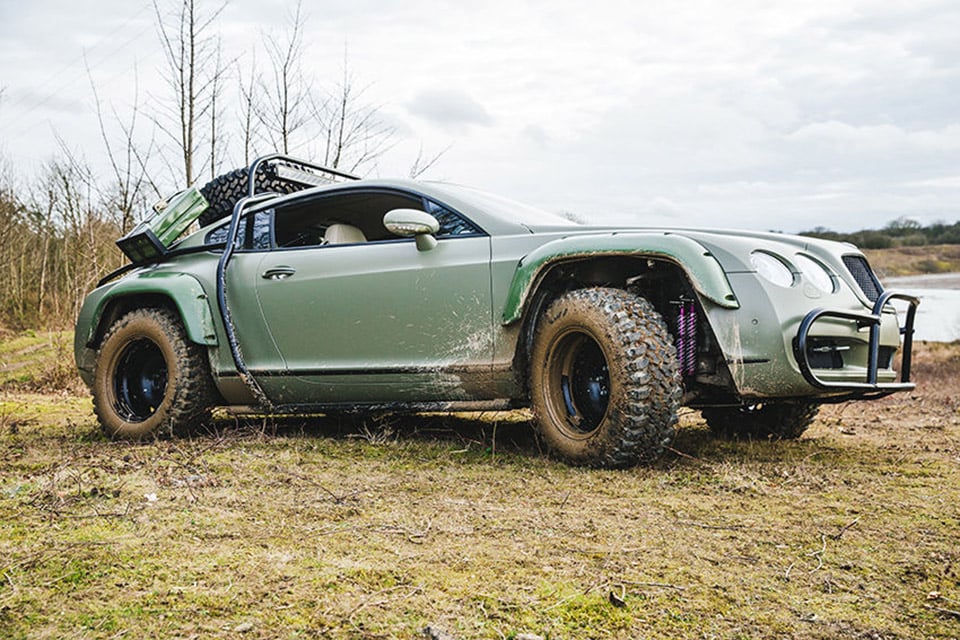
774, 420
190, 392
223, 192
645, 383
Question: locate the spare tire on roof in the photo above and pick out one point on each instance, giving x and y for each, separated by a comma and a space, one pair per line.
224, 191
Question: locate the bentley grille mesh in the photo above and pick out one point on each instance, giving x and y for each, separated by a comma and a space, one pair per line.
860, 269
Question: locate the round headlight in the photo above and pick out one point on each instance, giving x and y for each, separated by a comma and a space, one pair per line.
772, 269
815, 273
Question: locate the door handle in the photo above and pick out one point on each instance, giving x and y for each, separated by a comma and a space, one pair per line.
278, 273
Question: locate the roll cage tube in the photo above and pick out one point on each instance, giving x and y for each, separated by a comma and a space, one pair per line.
230, 244
870, 388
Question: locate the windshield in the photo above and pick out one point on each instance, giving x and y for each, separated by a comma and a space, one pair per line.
505, 207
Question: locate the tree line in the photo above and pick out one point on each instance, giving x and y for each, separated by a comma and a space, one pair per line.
902, 232
218, 110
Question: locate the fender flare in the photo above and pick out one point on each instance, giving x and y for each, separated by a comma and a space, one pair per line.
702, 268
182, 289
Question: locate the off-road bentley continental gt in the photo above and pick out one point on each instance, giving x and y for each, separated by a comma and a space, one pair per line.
307, 290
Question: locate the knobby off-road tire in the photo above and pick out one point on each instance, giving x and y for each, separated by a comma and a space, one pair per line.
604, 381
769, 420
223, 191
149, 378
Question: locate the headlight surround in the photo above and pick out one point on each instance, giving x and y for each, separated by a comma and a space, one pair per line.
816, 274
772, 268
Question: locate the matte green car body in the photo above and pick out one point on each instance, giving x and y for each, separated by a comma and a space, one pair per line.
386, 324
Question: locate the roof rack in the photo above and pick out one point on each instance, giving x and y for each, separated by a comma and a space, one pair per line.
296, 170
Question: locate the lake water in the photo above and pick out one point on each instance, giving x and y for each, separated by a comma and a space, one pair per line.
938, 316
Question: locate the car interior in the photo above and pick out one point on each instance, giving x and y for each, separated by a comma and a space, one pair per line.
344, 218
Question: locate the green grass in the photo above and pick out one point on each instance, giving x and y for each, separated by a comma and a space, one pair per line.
328, 529
38, 360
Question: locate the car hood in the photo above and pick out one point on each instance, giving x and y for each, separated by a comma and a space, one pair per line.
731, 247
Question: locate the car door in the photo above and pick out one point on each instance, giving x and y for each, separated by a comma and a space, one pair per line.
361, 316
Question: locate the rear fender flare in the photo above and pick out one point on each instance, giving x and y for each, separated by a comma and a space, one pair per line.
184, 292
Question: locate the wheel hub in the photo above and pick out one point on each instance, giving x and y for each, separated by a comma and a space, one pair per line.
585, 384
140, 380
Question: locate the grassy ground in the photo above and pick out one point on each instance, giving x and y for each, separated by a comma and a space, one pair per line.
378, 530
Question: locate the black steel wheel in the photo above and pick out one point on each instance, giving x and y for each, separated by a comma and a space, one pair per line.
140, 380
579, 365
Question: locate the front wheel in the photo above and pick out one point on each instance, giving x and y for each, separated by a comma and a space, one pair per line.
149, 377
776, 420
604, 381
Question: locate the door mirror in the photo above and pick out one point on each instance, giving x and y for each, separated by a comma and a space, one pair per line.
411, 222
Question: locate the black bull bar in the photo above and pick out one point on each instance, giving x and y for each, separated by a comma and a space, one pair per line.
869, 387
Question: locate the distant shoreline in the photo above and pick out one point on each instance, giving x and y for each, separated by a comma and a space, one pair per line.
925, 281
914, 261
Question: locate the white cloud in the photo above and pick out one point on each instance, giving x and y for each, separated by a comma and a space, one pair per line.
884, 138
452, 110
745, 113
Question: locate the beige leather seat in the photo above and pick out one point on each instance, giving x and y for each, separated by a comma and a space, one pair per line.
343, 234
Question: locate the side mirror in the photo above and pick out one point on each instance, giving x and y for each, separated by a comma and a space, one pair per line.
411, 222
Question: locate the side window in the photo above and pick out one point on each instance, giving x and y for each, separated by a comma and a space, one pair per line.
256, 236
259, 238
219, 234
344, 218
451, 224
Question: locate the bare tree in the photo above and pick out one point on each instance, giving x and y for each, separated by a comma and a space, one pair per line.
354, 133
422, 164
217, 141
291, 108
192, 71
131, 183
249, 105
286, 109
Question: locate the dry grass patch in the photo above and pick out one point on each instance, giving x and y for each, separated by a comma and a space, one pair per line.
909, 261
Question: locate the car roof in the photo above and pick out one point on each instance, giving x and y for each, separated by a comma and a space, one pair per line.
496, 215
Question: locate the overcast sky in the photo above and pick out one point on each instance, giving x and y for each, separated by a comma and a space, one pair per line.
755, 114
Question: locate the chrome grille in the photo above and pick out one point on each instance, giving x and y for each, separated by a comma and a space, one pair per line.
860, 269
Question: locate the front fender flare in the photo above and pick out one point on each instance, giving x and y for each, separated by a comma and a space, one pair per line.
183, 290
702, 268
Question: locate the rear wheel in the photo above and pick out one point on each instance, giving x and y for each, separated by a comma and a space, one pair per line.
778, 420
149, 377
604, 381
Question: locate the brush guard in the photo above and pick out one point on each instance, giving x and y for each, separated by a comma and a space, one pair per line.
869, 388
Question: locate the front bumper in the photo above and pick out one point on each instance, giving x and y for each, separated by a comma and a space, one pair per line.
869, 387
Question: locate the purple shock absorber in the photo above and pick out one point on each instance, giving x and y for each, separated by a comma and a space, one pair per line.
687, 338
690, 340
